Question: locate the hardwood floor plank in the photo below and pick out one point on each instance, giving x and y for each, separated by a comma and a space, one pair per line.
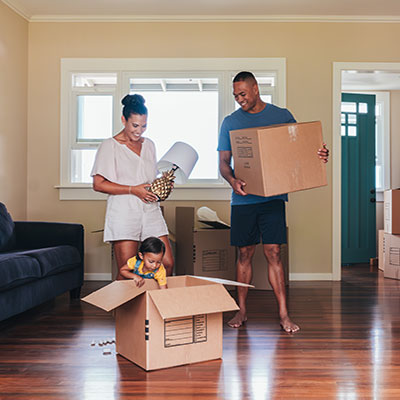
348, 348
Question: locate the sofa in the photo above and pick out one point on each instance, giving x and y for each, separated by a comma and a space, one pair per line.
38, 261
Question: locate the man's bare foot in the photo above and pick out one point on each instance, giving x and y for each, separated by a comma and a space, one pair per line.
238, 320
288, 325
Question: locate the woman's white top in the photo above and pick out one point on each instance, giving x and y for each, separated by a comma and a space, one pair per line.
128, 217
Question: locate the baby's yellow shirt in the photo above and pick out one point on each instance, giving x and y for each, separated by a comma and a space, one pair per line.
160, 274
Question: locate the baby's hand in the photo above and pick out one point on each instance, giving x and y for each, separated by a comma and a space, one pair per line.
139, 281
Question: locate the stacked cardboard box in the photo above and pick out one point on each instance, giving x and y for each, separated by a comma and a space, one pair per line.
202, 251
207, 252
391, 237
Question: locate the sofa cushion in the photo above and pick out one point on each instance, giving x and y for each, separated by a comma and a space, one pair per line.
53, 260
6, 228
17, 269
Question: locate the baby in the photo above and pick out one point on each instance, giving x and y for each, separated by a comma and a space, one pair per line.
147, 264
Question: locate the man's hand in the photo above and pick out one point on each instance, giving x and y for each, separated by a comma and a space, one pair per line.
238, 186
323, 153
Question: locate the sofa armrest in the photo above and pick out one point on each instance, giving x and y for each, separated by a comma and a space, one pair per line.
36, 235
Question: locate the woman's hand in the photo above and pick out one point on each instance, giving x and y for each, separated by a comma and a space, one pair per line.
142, 191
139, 281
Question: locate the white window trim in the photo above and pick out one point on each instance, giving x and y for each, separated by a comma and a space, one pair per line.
125, 66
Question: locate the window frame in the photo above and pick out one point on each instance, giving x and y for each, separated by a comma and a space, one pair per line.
125, 69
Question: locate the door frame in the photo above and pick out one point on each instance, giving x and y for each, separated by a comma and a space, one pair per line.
338, 67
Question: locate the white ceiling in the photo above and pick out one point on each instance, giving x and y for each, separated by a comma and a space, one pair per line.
35, 10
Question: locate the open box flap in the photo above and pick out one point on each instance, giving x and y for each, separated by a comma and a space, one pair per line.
192, 300
221, 281
115, 294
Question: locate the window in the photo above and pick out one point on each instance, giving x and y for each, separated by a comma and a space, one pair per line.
187, 101
382, 134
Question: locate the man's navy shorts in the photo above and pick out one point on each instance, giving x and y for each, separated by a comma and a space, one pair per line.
251, 221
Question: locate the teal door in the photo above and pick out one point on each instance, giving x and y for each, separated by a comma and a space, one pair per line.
358, 178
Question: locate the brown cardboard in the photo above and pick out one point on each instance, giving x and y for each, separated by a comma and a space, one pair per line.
163, 328
279, 159
392, 256
381, 249
202, 251
391, 211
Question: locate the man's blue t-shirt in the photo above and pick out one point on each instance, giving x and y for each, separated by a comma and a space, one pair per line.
271, 115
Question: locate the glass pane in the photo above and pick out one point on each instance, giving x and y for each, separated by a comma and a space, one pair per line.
266, 98
378, 177
349, 107
352, 130
363, 108
343, 130
94, 80
343, 117
95, 115
187, 115
81, 165
352, 119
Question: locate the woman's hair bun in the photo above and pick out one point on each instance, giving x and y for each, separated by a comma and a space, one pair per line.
133, 104
133, 100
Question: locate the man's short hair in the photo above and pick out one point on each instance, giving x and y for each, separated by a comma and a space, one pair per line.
245, 76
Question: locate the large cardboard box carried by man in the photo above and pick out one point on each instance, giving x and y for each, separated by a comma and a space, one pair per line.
157, 328
279, 159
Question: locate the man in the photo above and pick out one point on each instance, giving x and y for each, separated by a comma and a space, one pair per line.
254, 216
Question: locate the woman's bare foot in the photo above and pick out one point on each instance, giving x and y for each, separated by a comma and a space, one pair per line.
238, 320
288, 325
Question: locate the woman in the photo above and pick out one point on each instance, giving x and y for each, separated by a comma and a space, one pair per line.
125, 166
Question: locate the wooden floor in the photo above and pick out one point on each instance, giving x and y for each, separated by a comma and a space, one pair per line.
348, 349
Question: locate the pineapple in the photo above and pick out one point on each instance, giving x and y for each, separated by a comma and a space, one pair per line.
162, 187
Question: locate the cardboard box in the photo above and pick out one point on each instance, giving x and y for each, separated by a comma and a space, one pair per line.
202, 251
392, 256
260, 268
157, 328
381, 249
391, 211
279, 159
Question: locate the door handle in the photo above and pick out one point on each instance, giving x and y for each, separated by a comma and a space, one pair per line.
372, 191
372, 200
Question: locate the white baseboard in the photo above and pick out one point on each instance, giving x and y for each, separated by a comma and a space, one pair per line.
310, 277
97, 277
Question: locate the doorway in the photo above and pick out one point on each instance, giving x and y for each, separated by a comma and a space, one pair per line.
358, 178
359, 70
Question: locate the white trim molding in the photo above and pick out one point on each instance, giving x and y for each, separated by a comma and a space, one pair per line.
97, 277
310, 277
86, 192
218, 18
338, 67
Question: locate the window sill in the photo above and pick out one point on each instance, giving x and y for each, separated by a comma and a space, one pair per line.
187, 192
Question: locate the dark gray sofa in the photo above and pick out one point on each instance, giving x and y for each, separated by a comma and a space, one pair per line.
38, 261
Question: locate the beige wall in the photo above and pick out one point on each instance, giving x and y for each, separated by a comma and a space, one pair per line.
309, 48
13, 110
